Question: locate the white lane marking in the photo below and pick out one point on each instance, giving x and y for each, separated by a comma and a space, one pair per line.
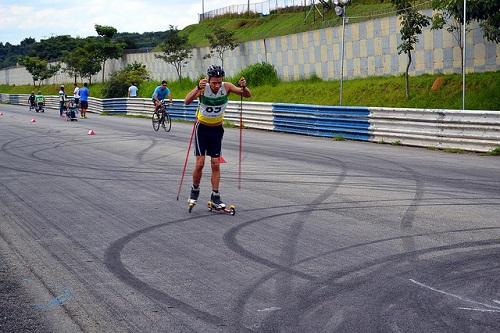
272, 308
454, 296
480, 310
496, 301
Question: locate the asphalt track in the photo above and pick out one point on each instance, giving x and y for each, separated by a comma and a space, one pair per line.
328, 237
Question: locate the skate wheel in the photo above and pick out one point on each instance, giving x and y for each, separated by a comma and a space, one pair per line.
190, 208
209, 205
232, 210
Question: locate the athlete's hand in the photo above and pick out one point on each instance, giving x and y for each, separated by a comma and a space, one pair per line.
202, 84
242, 82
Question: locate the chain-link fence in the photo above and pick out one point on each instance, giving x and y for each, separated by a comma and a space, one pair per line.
260, 8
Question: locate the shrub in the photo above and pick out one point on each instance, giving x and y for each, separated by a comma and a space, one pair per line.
118, 83
259, 75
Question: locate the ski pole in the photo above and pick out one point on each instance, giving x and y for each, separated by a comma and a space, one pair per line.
241, 141
186, 160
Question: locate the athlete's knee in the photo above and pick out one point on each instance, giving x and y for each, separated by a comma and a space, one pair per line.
200, 162
215, 164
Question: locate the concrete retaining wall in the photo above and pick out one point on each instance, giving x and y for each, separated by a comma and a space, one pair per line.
370, 49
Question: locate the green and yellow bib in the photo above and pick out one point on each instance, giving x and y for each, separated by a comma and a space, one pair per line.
212, 106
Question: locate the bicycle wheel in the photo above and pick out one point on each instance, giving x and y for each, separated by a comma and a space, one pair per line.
167, 122
156, 121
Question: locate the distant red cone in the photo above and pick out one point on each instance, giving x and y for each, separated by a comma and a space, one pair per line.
33, 120
1, 113
91, 132
222, 160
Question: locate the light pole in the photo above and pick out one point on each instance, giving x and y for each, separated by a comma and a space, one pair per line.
340, 10
203, 10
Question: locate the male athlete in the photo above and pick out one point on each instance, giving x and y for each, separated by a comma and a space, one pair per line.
213, 96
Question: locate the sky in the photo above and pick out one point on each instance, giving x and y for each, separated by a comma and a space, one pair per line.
45, 18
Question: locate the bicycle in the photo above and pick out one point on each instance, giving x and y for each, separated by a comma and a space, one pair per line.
162, 117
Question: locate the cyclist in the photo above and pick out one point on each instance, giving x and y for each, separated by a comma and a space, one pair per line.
31, 100
40, 101
212, 94
160, 93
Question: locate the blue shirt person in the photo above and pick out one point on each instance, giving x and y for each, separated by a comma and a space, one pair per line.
84, 99
160, 93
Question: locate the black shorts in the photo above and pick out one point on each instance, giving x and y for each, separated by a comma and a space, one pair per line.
84, 104
208, 140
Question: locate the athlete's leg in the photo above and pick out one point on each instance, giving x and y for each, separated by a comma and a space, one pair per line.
215, 173
197, 172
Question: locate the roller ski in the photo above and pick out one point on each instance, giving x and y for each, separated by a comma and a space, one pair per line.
215, 204
193, 198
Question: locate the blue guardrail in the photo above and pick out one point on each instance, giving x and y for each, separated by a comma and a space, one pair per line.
326, 121
179, 111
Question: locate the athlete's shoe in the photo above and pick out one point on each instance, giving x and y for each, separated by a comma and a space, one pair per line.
195, 193
216, 201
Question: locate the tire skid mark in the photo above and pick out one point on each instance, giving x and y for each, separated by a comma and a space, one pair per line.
102, 207
308, 298
30, 231
35, 230
406, 224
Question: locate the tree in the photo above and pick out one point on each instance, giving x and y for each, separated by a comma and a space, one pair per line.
84, 61
72, 61
412, 23
39, 69
221, 41
89, 56
53, 48
176, 50
48, 72
118, 83
108, 49
486, 12
445, 20
105, 31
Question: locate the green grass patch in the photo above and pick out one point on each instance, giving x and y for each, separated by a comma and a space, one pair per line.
454, 150
494, 152
482, 91
338, 137
282, 23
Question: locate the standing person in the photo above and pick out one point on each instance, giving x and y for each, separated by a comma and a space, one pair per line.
84, 100
62, 100
213, 96
160, 93
76, 94
132, 90
31, 100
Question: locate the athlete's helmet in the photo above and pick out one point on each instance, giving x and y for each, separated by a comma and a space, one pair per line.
215, 71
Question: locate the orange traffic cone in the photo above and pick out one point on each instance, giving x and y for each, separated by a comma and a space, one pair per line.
91, 132
33, 120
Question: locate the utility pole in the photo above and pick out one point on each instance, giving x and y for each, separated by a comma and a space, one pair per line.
340, 10
464, 41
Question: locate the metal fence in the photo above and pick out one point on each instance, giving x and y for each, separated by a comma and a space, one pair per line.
263, 8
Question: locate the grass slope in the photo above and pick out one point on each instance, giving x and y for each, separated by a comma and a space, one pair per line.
280, 24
